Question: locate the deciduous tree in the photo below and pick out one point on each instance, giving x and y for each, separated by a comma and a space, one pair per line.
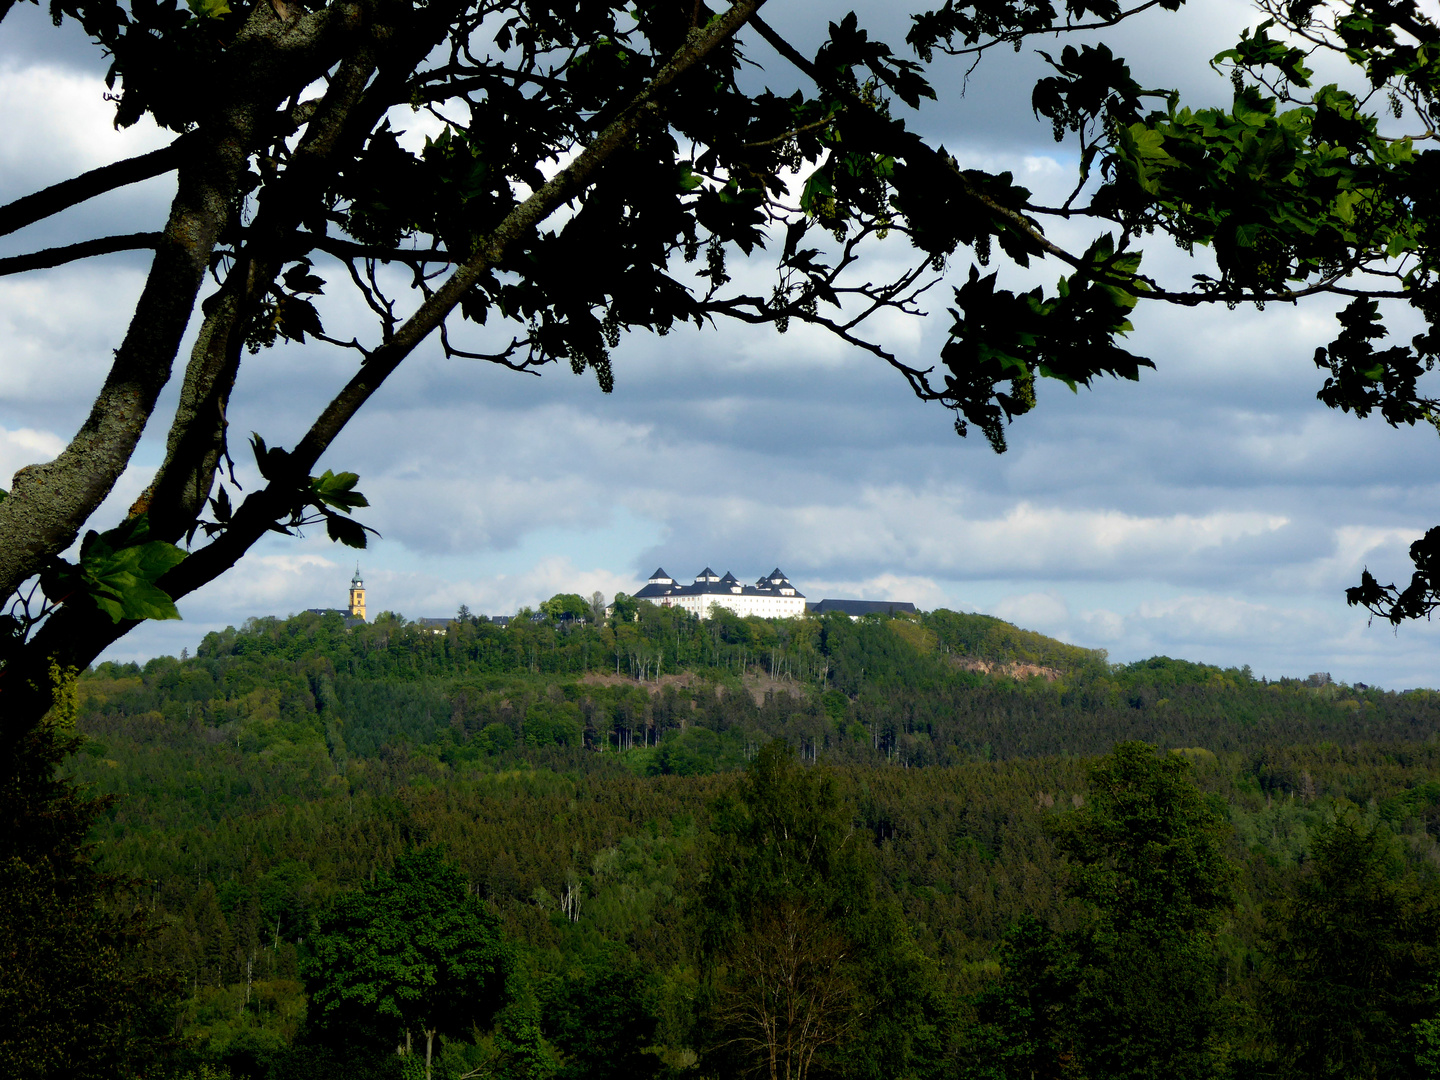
1131, 994
413, 954
76, 996
1353, 959
805, 959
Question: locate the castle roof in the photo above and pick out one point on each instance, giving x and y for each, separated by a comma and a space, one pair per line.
707, 583
727, 586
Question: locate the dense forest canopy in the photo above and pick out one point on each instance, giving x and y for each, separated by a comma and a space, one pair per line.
940, 688
971, 789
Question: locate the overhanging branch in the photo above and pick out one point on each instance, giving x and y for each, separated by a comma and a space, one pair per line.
59, 256
349, 249
50, 201
1014, 218
258, 511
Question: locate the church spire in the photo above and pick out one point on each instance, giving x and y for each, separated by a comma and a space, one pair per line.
357, 596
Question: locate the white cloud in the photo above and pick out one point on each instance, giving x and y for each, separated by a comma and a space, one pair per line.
936, 532
1216, 619
1036, 610
26, 446
1102, 626
59, 328
274, 583
57, 123
506, 593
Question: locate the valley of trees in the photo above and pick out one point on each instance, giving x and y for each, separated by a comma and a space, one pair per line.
912, 847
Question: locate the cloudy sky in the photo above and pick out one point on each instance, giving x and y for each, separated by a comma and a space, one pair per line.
1215, 511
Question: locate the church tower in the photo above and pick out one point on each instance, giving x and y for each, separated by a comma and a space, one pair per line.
357, 596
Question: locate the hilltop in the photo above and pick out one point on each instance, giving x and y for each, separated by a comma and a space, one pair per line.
671, 693
572, 773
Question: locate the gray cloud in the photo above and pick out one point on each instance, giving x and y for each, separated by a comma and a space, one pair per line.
1213, 510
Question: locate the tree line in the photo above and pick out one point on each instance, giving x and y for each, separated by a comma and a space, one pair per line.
1141, 914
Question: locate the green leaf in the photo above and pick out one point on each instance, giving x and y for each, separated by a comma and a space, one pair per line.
269, 460
220, 506
299, 279
209, 9
294, 318
345, 531
136, 600
337, 490
819, 193
119, 568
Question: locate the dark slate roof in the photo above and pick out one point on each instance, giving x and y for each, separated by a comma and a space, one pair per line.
500, 620
729, 585
724, 588
350, 624
776, 574
862, 607
436, 622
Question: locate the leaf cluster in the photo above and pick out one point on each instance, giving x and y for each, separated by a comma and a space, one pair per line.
117, 572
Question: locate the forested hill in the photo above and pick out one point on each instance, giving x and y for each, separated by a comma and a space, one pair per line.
678, 695
582, 780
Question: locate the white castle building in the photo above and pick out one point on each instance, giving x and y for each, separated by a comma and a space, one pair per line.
771, 597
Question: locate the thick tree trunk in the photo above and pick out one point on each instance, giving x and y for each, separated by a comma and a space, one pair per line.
50, 503
336, 128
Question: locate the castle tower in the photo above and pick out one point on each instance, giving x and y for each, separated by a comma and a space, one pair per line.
357, 595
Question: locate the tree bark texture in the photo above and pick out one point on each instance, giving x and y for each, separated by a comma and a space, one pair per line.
48, 504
